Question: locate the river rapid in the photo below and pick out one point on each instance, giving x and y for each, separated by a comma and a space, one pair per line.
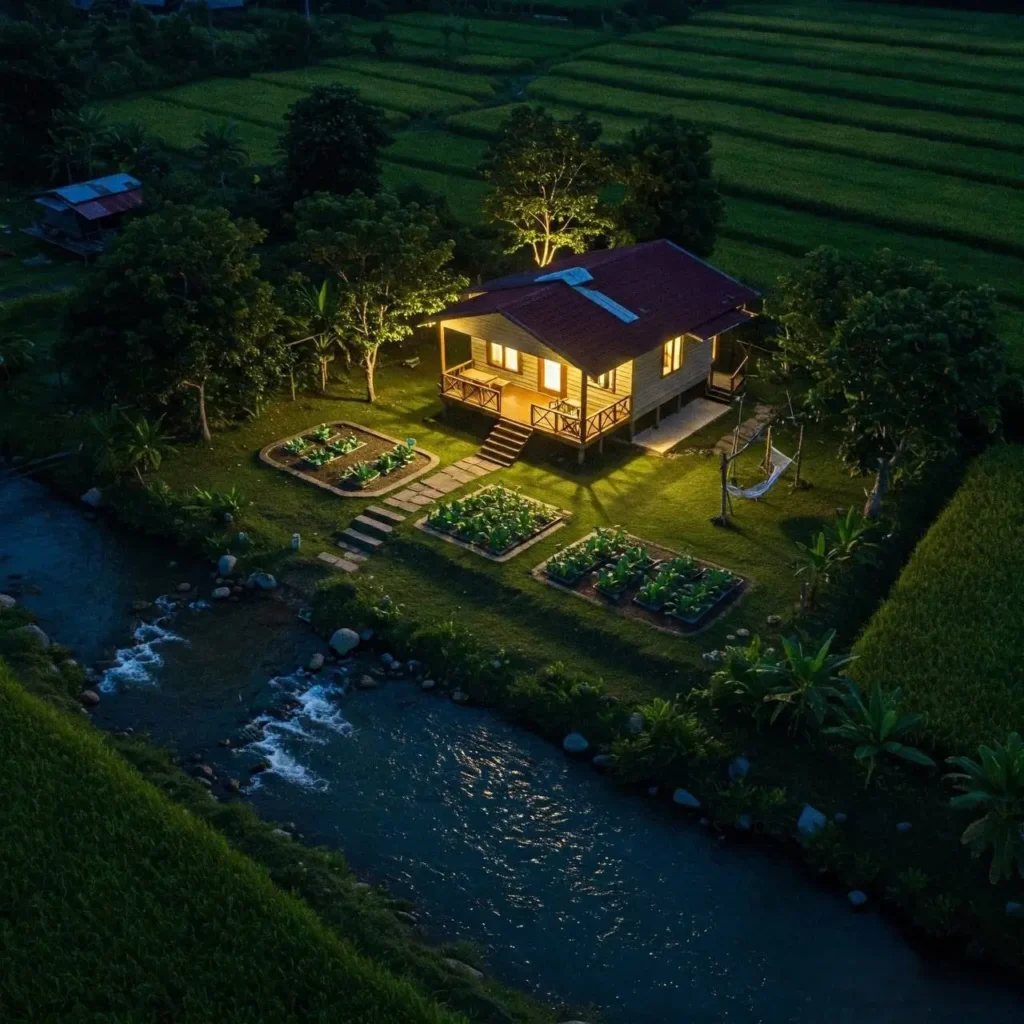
572, 888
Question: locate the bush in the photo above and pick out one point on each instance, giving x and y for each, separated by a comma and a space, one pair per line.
672, 741
557, 701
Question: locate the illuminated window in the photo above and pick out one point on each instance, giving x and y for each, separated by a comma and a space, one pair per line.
672, 356
551, 376
502, 356
604, 380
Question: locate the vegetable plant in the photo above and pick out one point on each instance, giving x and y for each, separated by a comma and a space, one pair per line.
362, 473
495, 518
296, 446
322, 433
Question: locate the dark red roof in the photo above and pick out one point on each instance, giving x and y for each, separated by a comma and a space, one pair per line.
104, 206
668, 290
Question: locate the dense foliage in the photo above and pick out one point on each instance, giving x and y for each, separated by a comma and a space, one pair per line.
948, 632
176, 306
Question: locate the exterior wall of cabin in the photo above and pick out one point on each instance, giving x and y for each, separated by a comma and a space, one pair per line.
651, 388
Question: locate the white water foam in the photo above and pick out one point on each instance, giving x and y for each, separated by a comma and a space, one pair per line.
315, 716
136, 665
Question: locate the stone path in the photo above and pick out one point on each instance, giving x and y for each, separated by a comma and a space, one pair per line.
748, 428
422, 493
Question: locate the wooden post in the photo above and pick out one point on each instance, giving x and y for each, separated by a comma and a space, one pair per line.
440, 335
767, 464
736, 432
583, 417
799, 458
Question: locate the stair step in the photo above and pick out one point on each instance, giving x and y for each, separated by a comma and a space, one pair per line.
351, 552
338, 563
508, 439
362, 538
493, 463
374, 524
497, 442
385, 513
515, 428
501, 460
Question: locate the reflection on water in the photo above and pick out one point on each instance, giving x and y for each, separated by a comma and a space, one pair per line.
574, 889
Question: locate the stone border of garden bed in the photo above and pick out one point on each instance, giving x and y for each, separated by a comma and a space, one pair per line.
563, 517
539, 574
433, 461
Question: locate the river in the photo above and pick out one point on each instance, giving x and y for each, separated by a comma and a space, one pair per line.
573, 889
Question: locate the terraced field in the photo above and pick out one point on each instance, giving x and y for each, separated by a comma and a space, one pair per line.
848, 124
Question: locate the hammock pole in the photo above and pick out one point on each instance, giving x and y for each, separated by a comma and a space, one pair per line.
766, 465
799, 458
724, 515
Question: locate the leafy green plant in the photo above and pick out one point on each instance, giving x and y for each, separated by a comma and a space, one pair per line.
850, 537
387, 463
672, 740
878, 727
322, 433
805, 680
994, 783
655, 593
492, 515
614, 580
570, 564
405, 451
910, 885
362, 473
815, 564
296, 446
745, 680
217, 504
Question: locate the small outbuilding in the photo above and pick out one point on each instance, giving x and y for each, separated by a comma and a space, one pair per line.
82, 217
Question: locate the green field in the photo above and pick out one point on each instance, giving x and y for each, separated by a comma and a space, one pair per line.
121, 906
949, 634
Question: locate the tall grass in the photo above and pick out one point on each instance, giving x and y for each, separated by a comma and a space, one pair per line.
120, 906
949, 634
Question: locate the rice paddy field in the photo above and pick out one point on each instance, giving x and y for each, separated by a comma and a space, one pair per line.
855, 125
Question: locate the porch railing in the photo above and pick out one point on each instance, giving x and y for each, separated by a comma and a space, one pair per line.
731, 382
607, 418
564, 424
469, 391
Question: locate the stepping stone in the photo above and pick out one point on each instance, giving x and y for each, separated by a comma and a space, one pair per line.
473, 460
413, 489
362, 538
346, 565
351, 552
385, 513
422, 500
444, 483
326, 556
373, 524
405, 506
473, 470
459, 474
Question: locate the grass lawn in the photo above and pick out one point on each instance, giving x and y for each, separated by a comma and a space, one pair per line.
120, 906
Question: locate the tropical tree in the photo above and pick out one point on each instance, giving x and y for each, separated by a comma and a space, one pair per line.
219, 150
145, 445
105, 437
544, 182
994, 783
900, 359
879, 728
175, 306
131, 149
815, 563
318, 315
387, 264
805, 680
77, 138
670, 188
332, 143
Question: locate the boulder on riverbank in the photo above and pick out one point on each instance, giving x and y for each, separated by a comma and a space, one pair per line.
6, 601
344, 641
89, 698
458, 967
33, 631
92, 497
226, 565
261, 581
221, 593
315, 663
576, 744
810, 821
685, 798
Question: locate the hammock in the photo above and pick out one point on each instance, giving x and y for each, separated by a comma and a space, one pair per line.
780, 463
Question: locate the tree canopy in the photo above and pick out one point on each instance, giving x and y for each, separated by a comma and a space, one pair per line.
670, 190
176, 307
900, 358
545, 179
331, 143
386, 261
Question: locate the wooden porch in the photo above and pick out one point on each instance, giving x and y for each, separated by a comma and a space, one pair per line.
580, 423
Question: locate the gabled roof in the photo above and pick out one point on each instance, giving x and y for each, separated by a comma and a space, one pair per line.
98, 198
602, 308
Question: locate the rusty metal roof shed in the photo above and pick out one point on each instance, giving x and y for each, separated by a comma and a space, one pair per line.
97, 198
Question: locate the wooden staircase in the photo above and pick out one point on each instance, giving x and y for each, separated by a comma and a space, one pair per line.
506, 442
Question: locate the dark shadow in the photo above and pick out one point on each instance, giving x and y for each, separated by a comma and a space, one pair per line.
801, 528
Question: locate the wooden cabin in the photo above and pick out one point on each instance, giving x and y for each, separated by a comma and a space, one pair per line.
594, 344
83, 217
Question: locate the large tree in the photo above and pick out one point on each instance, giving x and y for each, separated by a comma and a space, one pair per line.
386, 261
670, 188
331, 143
545, 179
176, 308
902, 360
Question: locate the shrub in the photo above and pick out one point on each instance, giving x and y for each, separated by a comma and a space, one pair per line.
673, 739
558, 700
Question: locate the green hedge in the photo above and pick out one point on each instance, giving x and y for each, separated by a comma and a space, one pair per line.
949, 634
120, 906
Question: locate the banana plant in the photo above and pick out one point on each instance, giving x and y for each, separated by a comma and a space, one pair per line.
879, 727
746, 679
806, 680
816, 561
849, 537
994, 783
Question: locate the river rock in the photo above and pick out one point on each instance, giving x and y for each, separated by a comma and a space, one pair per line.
280, 833
366, 683
840, 817
857, 898
205, 770
458, 967
184, 588
232, 786
743, 633
635, 724
315, 663
575, 743
344, 640
259, 766
387, 660
903, 826
603, 761
261, 581
226, 564
810, 821
427, 685
739, 768
6, 601
366, 634
221, 593
685, 798
92, 497
407, 918
90, 698
237, 591
33, 631
203, 781
460, 696
774, 620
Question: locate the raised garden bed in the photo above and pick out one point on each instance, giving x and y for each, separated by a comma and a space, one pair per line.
349, 460
495, 521
643, 581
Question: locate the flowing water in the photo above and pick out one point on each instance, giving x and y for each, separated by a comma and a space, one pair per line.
573, 889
